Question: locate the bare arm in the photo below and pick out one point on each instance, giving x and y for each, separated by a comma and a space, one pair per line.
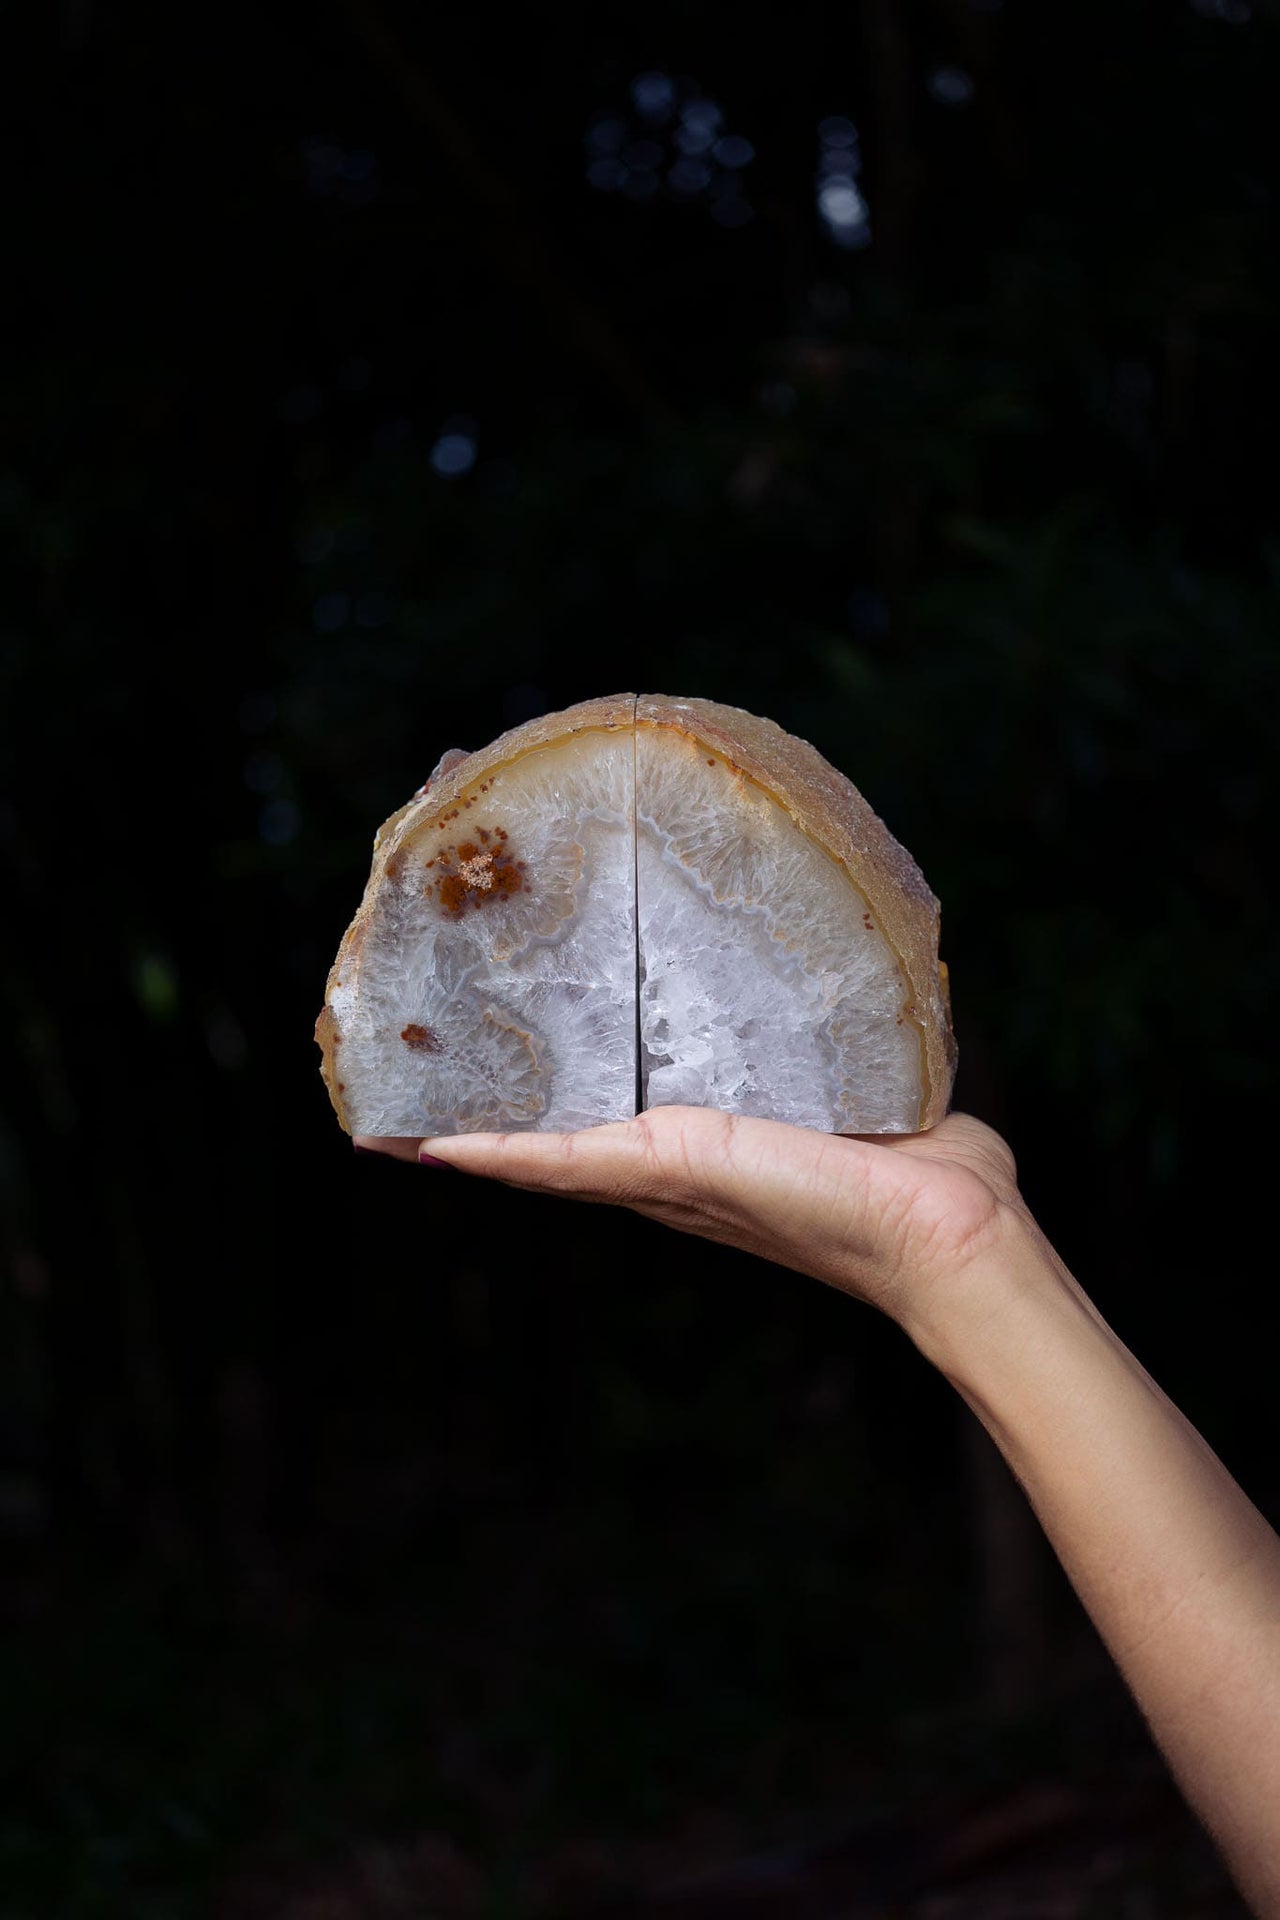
1178, 1570
1180, 1573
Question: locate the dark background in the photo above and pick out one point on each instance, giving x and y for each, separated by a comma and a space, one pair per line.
906, 371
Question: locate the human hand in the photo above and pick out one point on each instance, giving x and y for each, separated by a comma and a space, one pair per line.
1180, 1573
890, 1219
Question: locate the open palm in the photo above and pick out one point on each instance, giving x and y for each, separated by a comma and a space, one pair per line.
880, 1217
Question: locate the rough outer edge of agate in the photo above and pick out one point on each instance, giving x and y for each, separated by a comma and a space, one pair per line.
822, 802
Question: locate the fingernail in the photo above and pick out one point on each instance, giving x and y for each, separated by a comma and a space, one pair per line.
430, 1160
359, 1149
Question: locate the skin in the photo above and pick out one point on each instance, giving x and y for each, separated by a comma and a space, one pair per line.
1178, 1570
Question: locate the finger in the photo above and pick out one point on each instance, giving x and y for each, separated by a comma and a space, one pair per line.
745, 1180
387, 1144
612, 1163
699, 1171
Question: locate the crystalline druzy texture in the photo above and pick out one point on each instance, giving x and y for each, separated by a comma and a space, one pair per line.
495, 982
639, 903
766, 986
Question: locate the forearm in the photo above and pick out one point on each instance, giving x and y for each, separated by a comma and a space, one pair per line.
1179, 1572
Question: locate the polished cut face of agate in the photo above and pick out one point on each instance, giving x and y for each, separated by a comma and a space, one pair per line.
640, 902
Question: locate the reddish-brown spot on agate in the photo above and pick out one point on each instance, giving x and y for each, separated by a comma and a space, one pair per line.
475, 871
422, 1039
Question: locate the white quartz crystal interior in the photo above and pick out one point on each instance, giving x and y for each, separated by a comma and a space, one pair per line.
766, 986
496, 987
621, 915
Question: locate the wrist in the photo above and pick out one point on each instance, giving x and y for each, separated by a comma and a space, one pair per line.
968, 1309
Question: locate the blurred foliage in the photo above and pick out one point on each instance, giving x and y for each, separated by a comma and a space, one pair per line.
352, 422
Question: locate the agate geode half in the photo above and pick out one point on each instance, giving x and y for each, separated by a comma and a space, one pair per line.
638, 902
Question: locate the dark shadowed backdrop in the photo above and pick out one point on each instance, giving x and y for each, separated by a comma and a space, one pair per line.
376, 1545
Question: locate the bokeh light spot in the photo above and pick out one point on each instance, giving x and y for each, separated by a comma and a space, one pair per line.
951, 86
323, 159
778, 397
228, 1047
676, 140
841, 204
314, 546
373, 609
700, 122
607, 174
606, 136
347, 175
155, 982
703, 114
391, 435
734, 151
299, 405
654, 95
331, 611
868, 613
840, 200
264, 773
689, 176
837, 130
279, 823
453, 454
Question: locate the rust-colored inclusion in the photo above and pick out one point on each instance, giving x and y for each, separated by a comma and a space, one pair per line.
422, 1039
475, 871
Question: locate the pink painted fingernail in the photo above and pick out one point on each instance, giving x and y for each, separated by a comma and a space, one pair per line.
430, 1160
